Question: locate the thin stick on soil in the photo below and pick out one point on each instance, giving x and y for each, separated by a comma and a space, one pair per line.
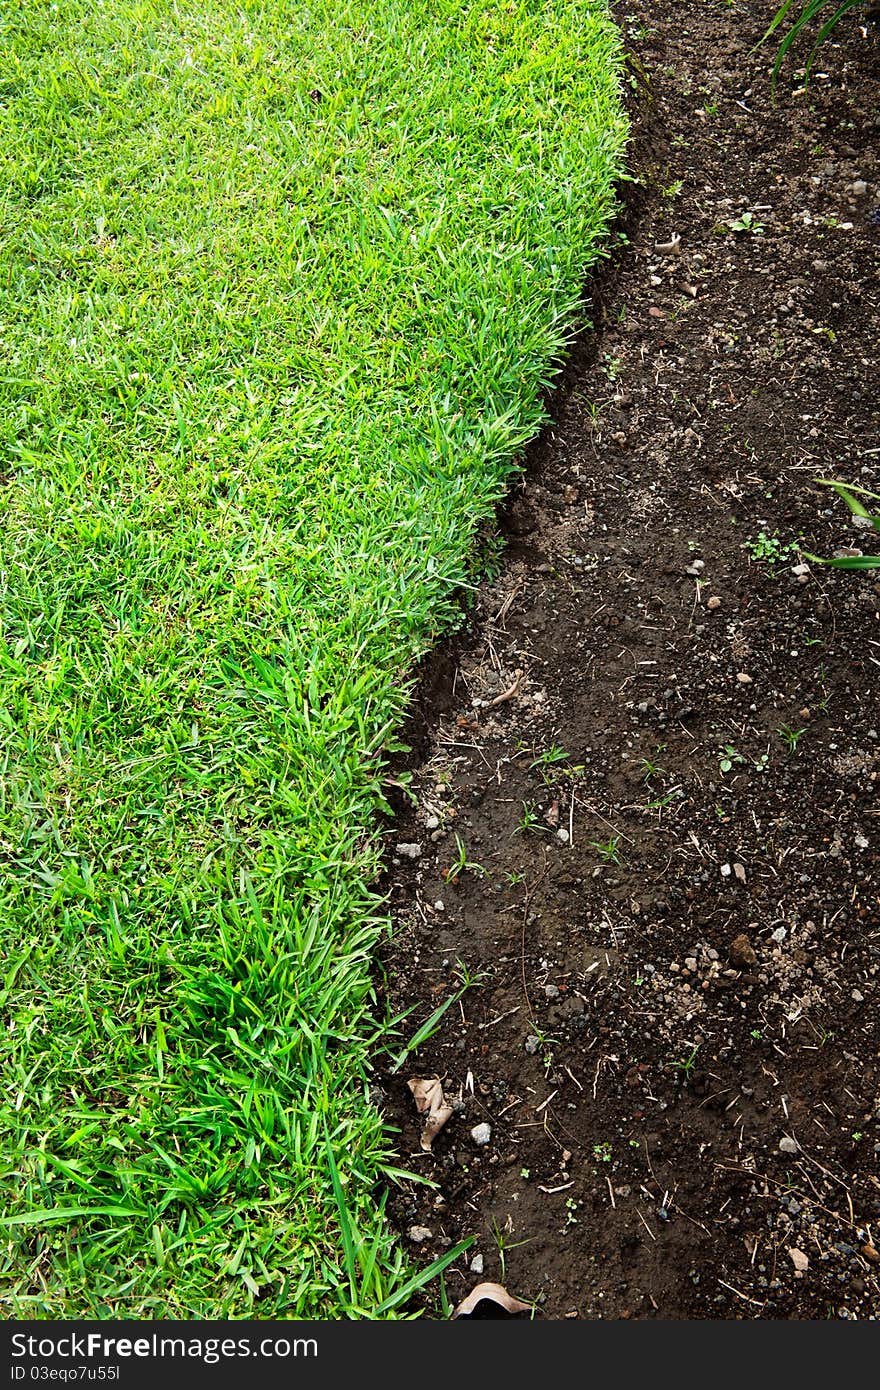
745, 1298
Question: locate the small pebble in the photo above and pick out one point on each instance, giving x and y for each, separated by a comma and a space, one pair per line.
741, 953
432, 822
744, 678
551, 991
439, 905
532, 1044
779, 935
799, 1260
562, 835
787, 1145
419, 1234
714, 602
481, 1134
477, 1264
859, 188
857, 996
409, 851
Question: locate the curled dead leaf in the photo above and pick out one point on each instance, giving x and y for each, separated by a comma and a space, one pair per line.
427, 1092
495, 1293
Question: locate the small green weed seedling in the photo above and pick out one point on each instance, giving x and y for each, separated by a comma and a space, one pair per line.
729, 756
685, 1065
770, 549
530, 822
554, 754
504, 1243
650, 768
790, 737
607, 849
746, 223
462, 864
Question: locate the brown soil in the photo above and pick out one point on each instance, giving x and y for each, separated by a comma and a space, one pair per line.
677, 927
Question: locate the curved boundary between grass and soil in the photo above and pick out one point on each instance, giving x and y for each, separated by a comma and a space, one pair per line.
283, 290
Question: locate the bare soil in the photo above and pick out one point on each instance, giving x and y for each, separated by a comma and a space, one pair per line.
646, 771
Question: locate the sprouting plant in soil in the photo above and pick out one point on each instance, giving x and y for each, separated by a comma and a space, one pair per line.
530, 822
770, 548
685, 1065
746, 222
650, 768
504, 1243
468, 979
554, 754
673, 190
790, 737
729, 756
462, 864
607, 849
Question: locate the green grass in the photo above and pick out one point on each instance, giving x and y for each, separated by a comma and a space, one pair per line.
280, 290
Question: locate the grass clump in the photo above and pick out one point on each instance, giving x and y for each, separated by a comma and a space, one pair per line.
281, 289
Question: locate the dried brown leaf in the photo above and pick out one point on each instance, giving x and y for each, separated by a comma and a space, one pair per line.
496, 1293
427, 1092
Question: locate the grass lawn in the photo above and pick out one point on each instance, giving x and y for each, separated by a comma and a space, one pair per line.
280, 287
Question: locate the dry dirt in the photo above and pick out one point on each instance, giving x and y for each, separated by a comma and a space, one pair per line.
645, 772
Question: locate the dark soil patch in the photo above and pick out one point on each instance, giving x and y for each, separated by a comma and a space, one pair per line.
677, 922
